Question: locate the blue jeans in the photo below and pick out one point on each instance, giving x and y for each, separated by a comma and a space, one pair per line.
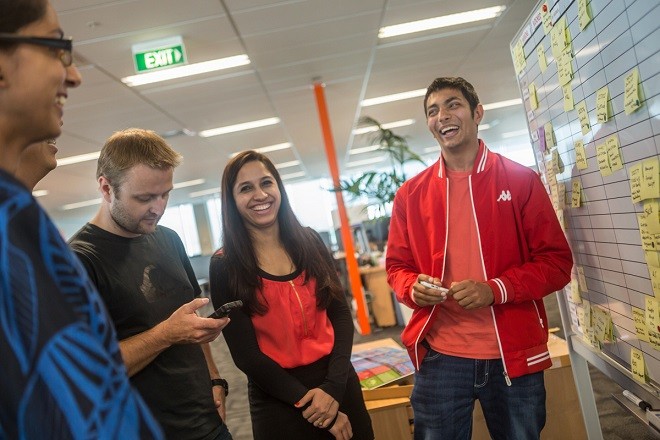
447, 386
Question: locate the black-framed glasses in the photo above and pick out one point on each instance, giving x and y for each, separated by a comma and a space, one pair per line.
64, 46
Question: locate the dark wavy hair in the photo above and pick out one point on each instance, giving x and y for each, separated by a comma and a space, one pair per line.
19, 13
458, 83
302, 244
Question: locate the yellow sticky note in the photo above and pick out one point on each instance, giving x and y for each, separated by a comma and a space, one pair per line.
565, 67
533, 101
575, 292
635, 173
561, 218
652, 258
519, 57
549, 136
614, 152
654, 272
648, 240
650, 179
631, 99
547, 18
580, 316
602, 104
582, 280
654, 339
576, 195
584, 13
652, 216
568, 97
540, 53
637, 365
651, 313
603, 160
640, 324
580, 156
583, 116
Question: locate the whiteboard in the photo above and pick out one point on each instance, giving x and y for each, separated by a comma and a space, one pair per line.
604, 230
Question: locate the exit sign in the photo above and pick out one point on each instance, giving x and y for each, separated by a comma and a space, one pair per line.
157, 54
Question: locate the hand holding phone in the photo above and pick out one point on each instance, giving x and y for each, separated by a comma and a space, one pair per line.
442, 290
224, 309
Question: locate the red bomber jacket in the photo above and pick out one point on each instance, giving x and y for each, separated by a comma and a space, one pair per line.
525, 254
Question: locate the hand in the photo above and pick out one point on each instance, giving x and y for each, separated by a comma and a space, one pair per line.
322, 407
471, 295
342, 428
427, 296
219, 400
185, 327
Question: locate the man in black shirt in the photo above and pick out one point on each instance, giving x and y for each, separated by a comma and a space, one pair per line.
148, 285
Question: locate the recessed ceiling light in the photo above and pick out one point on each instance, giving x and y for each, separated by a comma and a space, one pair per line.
440, 22
238, 127
292, 175
500, 104
40, 193
204, 192
77, 159
291, 163
267, 149
516, 133
187, 70
394, 97
361, 150
188, 183
358, 163
82, 204
395, 124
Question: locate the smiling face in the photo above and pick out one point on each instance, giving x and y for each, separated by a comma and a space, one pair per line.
257, 196
34, 84
450, 120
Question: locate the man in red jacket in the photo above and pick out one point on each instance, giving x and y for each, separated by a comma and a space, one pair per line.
482, 228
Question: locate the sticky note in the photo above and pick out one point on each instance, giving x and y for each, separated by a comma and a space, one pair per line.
651, 313
582, 280
654, 339
533, 101
580, 155
637, 365
631, 98
541, 136
540, 53
652, 216
603, 160
547, 18
568, 97
576, 193
652, 258
614, 152
575, 292
640, 324
650, 242
519, 57
635, 173
602, 104
583, 116
650, 179
584, 13
549, 135
557, 39
654, 272
565, 67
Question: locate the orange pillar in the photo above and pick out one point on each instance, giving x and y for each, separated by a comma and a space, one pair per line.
346, 234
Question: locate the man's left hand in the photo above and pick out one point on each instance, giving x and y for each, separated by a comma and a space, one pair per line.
471, 295
219, 399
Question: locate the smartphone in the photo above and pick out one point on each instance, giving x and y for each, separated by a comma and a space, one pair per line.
433, 286
224, 309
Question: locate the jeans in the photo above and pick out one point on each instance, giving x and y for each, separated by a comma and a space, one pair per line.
447, 386
222, 433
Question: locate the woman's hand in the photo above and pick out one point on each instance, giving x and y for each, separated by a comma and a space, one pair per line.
322, 407
342, 430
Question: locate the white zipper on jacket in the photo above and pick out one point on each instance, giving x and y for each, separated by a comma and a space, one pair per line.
302, 309
483, 267
538, 314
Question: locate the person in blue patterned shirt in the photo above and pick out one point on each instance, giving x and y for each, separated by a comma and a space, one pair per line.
62, 375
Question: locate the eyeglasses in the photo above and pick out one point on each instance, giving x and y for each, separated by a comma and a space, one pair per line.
64, 46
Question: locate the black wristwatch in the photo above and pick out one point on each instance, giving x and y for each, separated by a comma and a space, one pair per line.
221, 383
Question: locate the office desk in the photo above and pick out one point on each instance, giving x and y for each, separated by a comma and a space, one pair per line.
375, 281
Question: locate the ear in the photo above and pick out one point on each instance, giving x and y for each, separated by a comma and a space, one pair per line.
478, 113
106, 189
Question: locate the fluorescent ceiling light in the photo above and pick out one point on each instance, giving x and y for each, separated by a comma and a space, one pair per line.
81, 204
292, 175
501, 104
77, 159
483, 127
266, 149
440, 22
433, 149
188, 183
187, 70
395, 97
204, 192
510, 134
40, 193
364, 149
358, 163
291, 163
395, 124
238, 127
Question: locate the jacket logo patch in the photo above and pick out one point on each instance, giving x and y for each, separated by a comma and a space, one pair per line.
505, 196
